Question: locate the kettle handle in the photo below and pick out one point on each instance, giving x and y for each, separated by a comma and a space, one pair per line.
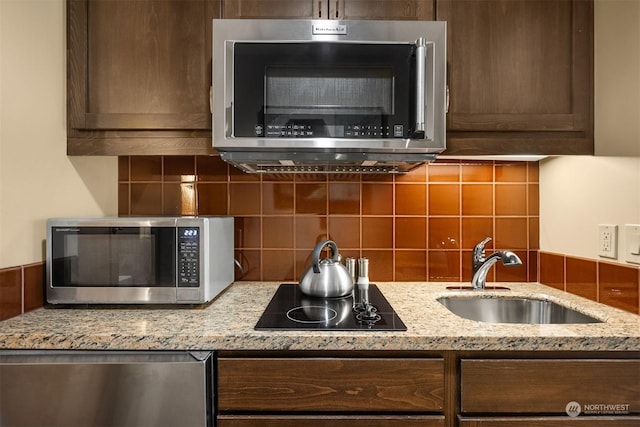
316, 253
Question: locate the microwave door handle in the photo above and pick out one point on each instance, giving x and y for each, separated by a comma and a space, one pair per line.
421, 57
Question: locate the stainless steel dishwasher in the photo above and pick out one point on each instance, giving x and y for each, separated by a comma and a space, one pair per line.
74, 388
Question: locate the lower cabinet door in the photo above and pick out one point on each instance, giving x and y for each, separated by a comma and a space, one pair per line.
550, 422
595, 387
331, 385
328, 421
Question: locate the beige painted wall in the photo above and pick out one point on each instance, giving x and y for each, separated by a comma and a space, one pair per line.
37, 179
578, 193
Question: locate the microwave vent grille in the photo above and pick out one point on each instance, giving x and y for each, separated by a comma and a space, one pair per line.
325, 163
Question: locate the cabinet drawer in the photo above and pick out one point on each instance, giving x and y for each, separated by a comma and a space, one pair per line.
309, 384
547, 386
329, 421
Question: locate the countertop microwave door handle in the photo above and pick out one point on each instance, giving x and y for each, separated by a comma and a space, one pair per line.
421, 53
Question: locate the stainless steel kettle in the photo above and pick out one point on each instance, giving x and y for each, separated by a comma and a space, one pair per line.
327, 277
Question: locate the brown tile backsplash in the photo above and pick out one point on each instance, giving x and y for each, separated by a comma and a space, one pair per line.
511, 172
582, 278
444, 199
377, 199
480, 171
33, 283
346, 230
21, 289
477, 199
410, 199
511, 200
419, 226
410, 233
146, 168
10, 292
617, 285
552, 270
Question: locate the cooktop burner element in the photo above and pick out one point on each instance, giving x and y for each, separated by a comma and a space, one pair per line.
291, 309
312, 314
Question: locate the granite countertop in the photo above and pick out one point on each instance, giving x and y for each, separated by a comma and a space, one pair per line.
227, 324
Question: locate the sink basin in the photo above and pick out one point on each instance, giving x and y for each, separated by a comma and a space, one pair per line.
513, 310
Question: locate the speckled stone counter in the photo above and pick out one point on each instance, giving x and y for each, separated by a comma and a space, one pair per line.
227, 324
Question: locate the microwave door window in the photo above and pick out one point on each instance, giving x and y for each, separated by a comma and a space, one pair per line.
91, 270
73, 265
115, 257
331, 91
134, 262
323, 100
321, 89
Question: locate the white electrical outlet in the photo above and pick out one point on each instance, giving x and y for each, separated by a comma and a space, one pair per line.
632, 243
608, 241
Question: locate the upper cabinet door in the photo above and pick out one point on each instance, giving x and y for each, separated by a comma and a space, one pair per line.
139, 64
330, 9
275, 9
520, 76
416, 10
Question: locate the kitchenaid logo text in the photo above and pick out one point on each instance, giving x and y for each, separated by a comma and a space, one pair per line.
573, 409
329, 29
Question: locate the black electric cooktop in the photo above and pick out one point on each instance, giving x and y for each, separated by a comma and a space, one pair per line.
291, 309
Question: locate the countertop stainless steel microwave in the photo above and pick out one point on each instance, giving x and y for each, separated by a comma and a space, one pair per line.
328, 96
164, 260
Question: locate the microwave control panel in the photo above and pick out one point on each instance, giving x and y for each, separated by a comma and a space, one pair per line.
310, 130
188, 257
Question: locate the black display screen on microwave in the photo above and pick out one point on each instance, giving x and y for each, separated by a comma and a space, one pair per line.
323, 89
113, 256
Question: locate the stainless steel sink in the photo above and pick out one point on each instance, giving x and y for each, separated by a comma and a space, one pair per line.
513, 310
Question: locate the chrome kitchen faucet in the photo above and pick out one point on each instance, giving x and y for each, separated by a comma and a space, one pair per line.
481, 265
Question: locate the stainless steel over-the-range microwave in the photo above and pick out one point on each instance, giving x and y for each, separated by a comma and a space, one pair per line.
164, 260
328, 96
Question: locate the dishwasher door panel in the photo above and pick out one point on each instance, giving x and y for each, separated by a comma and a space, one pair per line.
106, 389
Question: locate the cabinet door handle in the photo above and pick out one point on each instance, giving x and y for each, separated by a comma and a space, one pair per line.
211, 99
337, 9
447, 101
421, 57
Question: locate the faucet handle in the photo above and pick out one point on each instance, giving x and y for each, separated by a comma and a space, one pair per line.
478, 254
478, 250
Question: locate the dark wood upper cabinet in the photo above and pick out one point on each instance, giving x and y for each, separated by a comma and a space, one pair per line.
520, 76
139, 75
274, 9
330, 9
520, 73
420, 10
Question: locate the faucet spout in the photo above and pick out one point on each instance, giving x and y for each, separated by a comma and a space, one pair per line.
508, 258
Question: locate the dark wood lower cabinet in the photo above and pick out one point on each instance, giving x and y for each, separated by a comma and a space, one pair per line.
444, 389
331, 385
520, 386
328, 421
